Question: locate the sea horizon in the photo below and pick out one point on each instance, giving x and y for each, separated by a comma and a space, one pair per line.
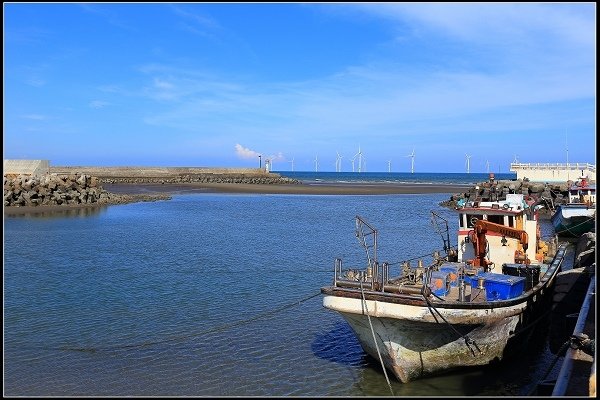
425, 178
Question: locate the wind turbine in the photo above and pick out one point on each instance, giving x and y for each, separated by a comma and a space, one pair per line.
292, 164
317, 163
389, 165
359, 154
338, 163
412, 161
487, 165
468, 164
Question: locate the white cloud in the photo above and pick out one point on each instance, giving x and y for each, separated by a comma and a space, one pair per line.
162, 84
35, 117
36, 82
243, 152
498, 69
97, 104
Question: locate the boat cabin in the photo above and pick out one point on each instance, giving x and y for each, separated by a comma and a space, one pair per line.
504, 237
582, 192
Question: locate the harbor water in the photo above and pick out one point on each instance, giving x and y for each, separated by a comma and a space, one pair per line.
213, 295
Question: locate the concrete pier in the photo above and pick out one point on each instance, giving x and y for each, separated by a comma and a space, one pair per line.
548, 172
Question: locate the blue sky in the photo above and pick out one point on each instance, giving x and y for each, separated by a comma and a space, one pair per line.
167, 84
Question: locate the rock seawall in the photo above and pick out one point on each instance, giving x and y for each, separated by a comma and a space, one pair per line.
201, 178
68, 190
75, 186
549, 195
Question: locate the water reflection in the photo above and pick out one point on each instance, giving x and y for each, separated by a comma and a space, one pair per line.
54, 212
340, 345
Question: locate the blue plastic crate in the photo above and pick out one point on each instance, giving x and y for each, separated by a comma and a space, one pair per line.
502, 287
440, 283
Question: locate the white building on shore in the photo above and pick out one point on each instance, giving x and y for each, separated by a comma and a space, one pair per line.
26, 167
549, 172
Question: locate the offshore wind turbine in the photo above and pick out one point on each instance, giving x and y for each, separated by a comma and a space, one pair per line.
316, 163
412, 161
389, 165
292, 161
468, 163
359, 154
338, 163
487, 165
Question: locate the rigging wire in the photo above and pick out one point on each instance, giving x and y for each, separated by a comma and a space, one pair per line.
374, 339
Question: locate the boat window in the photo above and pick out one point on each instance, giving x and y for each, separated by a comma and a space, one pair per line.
470, 219
461, 220
511, 221
496, 219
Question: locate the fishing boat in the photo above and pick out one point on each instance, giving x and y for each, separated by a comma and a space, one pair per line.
578, 215
468, 305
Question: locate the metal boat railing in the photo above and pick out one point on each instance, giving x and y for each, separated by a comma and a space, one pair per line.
377, 278
564, 376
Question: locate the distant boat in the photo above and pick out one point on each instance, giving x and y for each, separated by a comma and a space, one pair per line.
472, 307
578, 216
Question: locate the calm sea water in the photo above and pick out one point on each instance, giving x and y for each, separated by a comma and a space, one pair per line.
211, 295
425, 178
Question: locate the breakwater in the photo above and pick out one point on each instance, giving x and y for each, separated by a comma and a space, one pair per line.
177, 175
73, 186
64, 190
550, 195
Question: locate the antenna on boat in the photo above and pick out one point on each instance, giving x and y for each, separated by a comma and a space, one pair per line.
567, 146
361, 227
446, 240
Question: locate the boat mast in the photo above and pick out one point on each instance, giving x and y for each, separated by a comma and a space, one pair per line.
567, 146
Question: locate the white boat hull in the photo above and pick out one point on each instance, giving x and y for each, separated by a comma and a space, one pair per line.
414, 342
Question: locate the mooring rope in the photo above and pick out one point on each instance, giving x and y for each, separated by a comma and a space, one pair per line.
466, 338
575, 226
558, 355
531, 324
374, 339
180, 338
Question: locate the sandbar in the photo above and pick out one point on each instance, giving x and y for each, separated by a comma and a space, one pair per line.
141, 189
304, 188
